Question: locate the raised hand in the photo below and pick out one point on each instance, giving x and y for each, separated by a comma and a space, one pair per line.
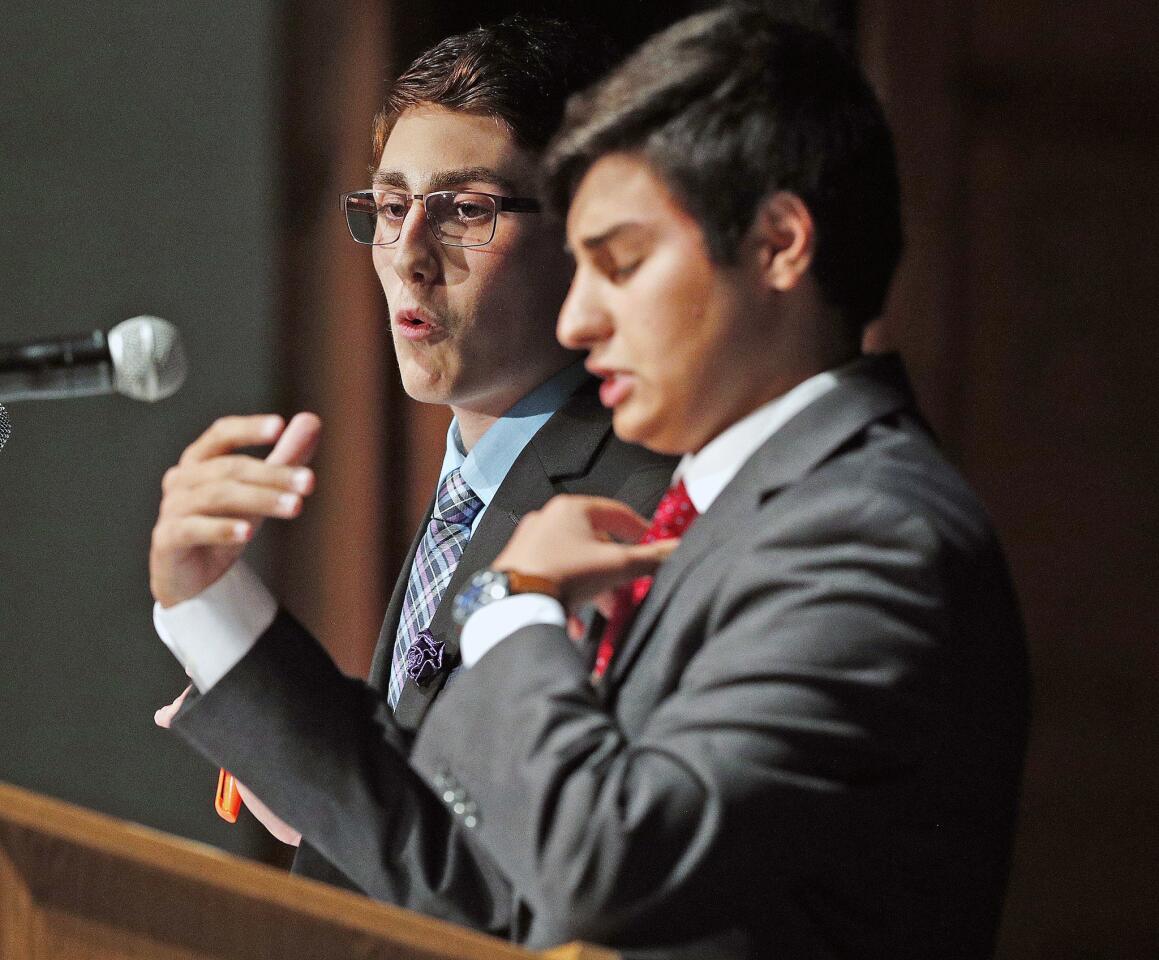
214, 500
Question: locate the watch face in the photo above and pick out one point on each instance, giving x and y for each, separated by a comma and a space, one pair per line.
483, 588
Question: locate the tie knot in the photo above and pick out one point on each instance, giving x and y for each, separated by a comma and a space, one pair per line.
456, 503
674, 515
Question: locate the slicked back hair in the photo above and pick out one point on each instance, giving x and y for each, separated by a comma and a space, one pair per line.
520, 71
728, 107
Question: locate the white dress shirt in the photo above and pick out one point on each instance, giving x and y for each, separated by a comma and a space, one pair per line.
705, 474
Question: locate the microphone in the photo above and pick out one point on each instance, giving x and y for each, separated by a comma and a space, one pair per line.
142, 358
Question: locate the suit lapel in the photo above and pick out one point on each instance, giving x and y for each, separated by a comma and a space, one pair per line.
562, 449
874, 388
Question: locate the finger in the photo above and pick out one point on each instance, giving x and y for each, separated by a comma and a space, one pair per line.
615, 518
228, 498
164, 716
605, 602
228, 433
575, 628
299, 440
243, 469
183, 533
642, 560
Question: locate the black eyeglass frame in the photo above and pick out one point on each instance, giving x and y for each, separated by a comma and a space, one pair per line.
502, 203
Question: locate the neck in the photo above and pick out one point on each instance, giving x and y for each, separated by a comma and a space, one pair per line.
476, 416
776, 384
472, 425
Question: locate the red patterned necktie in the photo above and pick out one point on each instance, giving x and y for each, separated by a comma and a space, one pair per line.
674, 515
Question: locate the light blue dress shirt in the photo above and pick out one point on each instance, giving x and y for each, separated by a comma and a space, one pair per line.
211, 632
486, 465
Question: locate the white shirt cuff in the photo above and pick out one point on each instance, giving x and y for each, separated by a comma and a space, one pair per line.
211, 632
497, 621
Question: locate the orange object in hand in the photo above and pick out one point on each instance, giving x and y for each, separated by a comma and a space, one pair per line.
228, 800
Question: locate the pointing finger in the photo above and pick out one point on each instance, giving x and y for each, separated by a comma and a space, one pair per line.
298, 441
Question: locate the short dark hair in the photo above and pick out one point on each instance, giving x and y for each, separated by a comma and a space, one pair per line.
732, 105
520, 71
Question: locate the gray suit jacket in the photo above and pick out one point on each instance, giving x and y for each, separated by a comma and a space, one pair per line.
808, 745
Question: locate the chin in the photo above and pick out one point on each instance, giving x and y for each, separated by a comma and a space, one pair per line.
657, 437
425, 396
422, 385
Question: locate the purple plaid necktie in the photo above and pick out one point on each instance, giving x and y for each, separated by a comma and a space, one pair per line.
438, 554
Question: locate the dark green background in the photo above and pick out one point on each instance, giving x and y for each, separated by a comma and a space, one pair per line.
136, 149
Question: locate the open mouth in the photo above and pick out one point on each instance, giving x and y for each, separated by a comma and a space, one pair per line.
616, 386
415, 325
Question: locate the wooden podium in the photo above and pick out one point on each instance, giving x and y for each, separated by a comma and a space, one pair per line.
78, 885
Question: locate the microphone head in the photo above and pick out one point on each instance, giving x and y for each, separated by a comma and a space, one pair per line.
5, 426
148, 358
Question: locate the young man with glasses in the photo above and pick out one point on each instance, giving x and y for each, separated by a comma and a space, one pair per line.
474, 277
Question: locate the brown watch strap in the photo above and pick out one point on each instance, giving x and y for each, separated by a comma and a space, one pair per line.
527, 583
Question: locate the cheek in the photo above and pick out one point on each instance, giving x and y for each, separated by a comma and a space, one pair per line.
493, 297
674, 328
383, 266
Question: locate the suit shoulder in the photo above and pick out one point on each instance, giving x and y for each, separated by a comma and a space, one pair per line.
897, 473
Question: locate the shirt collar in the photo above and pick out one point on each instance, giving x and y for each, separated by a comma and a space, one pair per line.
707, 472
487, 463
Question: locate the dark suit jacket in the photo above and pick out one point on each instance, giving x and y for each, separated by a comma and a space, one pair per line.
808, 745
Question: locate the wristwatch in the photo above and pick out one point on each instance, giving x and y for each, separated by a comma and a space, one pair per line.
488, 586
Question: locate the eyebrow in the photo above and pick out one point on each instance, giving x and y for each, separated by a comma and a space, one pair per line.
600, 239
445, 179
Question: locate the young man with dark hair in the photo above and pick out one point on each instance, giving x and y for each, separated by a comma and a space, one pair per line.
804, 737
474, 277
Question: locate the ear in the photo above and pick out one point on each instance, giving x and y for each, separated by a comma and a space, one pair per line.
785, 239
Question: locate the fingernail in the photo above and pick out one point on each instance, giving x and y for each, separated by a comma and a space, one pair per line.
288, 504
241, 532
300, 480
271, 427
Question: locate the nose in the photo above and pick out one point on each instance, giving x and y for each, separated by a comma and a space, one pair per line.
584, 320
414, 255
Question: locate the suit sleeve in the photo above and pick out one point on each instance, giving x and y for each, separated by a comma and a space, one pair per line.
322, 751
808, 667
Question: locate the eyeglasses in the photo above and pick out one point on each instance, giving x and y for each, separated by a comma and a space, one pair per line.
458, 218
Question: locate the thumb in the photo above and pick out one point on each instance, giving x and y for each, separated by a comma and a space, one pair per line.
296, 445
641, 560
